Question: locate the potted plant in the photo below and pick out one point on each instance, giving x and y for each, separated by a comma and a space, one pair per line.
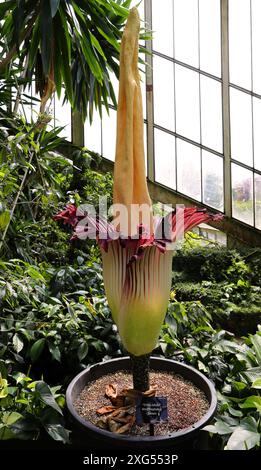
137, 254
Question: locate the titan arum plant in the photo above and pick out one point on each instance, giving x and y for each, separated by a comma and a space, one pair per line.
137, 260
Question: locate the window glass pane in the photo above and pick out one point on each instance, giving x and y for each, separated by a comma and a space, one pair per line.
258, 200
109, 127
240, 43
62, 116
242, 194
163, 76
162, 26
141, 7
210, 36
256, 45
257, 133
188, 168
211, 113
109, 134
143, 88
187, 103
92, 133
212, 172
145, 147
115, 84
186, 31
241, 126
164, 152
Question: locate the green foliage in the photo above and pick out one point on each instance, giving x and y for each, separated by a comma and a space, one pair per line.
204, 264
53, 322
74, 42
54, 319
54, 315
33, 176
228, 294
234, 366
229, 290
30, 408
239, 418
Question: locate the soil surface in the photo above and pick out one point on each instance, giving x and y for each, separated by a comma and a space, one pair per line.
186, 403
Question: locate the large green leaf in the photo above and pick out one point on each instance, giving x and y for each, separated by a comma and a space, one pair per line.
46, 396
34, 274
18, 19
11, 417
89, 32
53, 424
252, 374
4, 219
37, 349
242, 439
97, 45
254, 401
91, 59
220, 427
83, 350
46, 36
6, 433
256, 341
65, 29
34, 43
55, 351
256, 384
25, 429
5, 6
58, 432
18, 343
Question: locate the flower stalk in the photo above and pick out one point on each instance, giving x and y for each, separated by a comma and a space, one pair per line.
140, 372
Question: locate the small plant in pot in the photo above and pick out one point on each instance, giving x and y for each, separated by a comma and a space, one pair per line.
137, 251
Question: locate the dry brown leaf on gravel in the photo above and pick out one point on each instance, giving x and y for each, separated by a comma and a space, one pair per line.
105, 409
111, 391
126, 427
113, 426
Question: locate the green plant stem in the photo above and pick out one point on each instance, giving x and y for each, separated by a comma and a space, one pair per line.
140, 372
16, 201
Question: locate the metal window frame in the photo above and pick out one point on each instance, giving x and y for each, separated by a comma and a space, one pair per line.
200, 73
235, 228
253, 95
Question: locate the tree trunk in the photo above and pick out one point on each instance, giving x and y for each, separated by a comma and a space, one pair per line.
140, 372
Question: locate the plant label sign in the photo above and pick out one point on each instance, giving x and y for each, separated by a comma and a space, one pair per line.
151, 410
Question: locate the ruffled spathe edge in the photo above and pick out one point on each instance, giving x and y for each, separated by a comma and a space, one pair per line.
167, 230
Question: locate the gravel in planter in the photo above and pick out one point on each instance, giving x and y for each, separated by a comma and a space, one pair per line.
186, 403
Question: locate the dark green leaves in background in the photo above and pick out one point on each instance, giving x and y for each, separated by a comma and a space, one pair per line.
79, 39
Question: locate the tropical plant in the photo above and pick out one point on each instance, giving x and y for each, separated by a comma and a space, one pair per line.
50, 315
33, 173
239, 418
28, 408
137, 255
64, 42
234, 365
55, 321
